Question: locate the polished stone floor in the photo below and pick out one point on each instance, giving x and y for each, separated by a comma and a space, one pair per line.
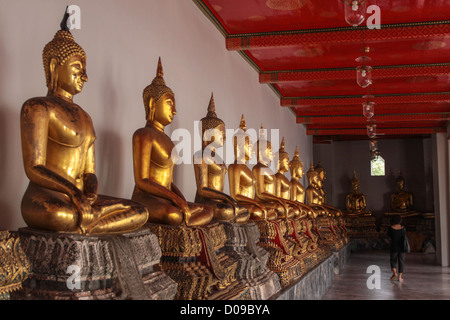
423, 279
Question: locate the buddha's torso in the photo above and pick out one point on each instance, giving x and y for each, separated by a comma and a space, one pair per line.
285, 187
216, 175
314, 196
246, 180
401, 200
70, 134
268, 180
355, 202
161, 163
298, 191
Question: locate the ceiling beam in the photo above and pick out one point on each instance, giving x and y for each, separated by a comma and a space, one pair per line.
439, 97
312, 111
382, 131
358, 119
395, 32
382, 72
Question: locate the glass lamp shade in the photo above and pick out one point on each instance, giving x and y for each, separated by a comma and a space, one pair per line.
372, 130
364, 76
355, 11
368, 109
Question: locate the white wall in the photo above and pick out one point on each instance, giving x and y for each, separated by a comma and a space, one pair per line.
123, 40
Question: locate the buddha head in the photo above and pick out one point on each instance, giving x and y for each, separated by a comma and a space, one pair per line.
312, 175
355, 183
64, 63
242, 142
264, 148
212, 128
159, 100
321, 172
296, 165
283, 158
400, 182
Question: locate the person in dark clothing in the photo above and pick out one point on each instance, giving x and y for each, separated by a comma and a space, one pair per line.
395, 232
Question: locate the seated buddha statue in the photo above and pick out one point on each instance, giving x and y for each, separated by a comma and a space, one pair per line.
282, 183
58, 153
402, 200
314, 195
242, 180
153, 163
320, 183
210, 171
355, 202
266, 180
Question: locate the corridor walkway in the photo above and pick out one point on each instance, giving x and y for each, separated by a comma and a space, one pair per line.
423, 279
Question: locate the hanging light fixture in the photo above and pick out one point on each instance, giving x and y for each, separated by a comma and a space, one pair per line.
368, 106
372, 130
355, 11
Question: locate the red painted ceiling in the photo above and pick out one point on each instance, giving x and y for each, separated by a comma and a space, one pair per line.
305, 51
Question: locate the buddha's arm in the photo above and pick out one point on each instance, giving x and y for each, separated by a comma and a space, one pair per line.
234, 182
90, 181
261, 193
203, 189
34, 121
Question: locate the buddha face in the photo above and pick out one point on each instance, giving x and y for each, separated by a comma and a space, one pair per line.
284, 164
217, 137
164, 109
71, 76
400, 184
297, 171
355, 186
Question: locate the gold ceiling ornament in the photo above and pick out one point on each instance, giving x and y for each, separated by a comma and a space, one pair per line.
285, 5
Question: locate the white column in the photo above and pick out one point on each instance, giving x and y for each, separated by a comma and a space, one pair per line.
441, 171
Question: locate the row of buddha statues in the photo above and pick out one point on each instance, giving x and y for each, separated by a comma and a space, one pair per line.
62, 196
401, 201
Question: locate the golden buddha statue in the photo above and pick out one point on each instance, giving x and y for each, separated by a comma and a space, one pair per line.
355, 202
402, 200
320, 183
210, 171
313, 192
266, 180
153, 164
58, 153
241, 178
283, 185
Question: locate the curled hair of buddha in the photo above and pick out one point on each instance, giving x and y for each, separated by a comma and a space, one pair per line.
295, 162
155, 90
262, 142
319, 169
211, 121
311, 172
61, 47
282, 154
241, 138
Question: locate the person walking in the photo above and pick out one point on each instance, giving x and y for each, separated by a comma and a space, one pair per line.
397, 234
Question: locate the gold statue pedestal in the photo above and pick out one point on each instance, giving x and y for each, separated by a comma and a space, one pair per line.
282, 259
361, 225
242, 244
69, 266
328, 237
305, 249
14, 265
196, 259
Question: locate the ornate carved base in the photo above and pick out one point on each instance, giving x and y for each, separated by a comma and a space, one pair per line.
328, 237
196, 259
115, 266
281, 259
14, 265
242, 244
361, 226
